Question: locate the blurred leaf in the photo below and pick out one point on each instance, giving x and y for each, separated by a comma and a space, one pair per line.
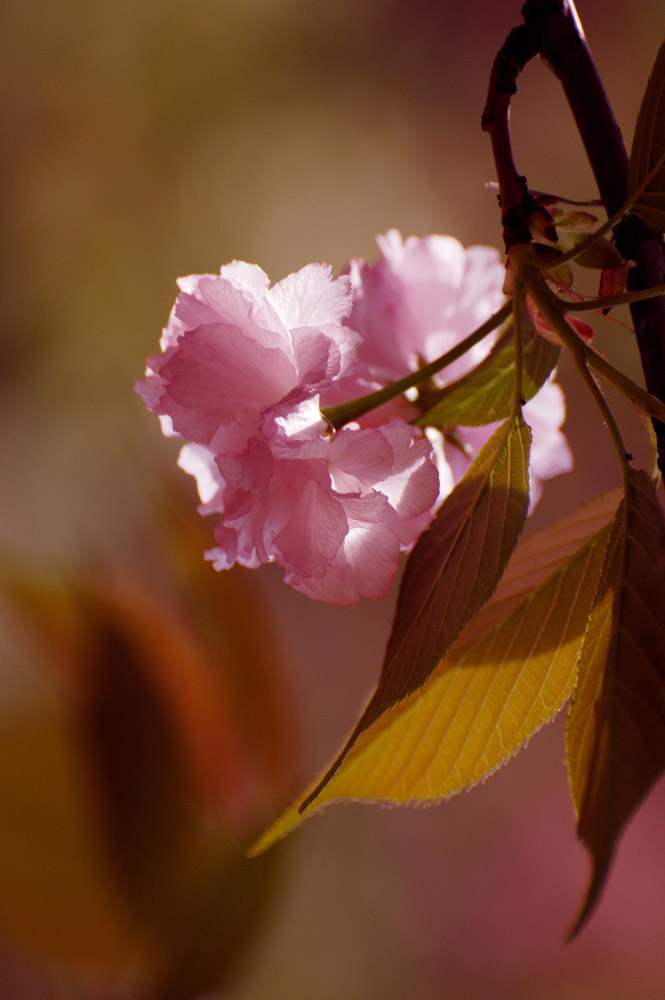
616, 727
453, 570
158, 742
222, 607
509, 672
648, 149
185, 749
146, 715
180, 789
486, 393
56, 898
212, 931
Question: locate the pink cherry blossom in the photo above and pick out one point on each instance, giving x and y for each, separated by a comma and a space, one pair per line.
420, 299
242, 369
245, 369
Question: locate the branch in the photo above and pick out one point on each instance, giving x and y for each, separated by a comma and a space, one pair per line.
520, 46
563, 47
637, 242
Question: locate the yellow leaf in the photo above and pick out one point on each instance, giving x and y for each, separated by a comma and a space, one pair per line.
509, 672
452, 572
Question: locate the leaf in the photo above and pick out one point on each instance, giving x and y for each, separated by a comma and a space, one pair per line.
648, 149
572, 229
575, 220
458, 562
613, 281
601, 254
508, 673
486, 393
454, 569
541, 223
615, 737
178, 725
562, 275
56, 896
581, 328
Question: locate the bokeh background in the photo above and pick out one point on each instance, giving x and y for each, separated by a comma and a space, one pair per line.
142, 141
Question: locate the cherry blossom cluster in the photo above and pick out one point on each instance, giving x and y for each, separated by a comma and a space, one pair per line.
246, 368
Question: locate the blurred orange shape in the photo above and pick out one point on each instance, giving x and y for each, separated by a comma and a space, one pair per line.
180, 747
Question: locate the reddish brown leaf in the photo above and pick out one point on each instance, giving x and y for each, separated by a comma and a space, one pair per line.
616, 728
613, 281
648, 149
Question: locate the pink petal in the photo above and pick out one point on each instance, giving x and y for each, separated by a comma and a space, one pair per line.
214, 374
420, 299
199, 462
249, 277
311, 297
413, 483
364, 567
363, 455
317, 357
315, 528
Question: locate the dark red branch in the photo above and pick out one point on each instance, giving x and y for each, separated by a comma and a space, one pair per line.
563, 48
520, 46
637, 242
551, 29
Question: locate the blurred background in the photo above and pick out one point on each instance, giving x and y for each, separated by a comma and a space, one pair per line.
140, 701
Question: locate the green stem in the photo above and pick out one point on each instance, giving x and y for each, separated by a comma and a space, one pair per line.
608, 417
550, 307
614, 300
519, 346
343, 413
649, 403
553, 309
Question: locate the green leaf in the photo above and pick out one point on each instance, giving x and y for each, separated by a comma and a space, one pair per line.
615, 737
601, 254
486, 393
562, 275
575, 220
648, 149
454, 568
508, 673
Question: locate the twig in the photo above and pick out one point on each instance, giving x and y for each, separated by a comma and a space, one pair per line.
520, 46
561, 44
343, 413
563, 48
